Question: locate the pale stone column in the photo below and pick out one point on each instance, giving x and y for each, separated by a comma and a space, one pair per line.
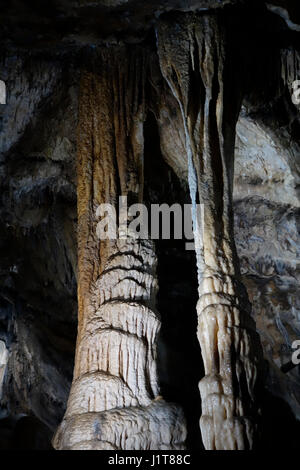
197, 65
114, 401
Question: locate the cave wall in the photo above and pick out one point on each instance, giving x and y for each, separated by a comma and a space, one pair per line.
38, 239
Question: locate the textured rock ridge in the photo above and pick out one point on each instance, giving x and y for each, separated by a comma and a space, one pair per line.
114, 401
199, 71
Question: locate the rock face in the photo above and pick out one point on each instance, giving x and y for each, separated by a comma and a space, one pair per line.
267, 228
38, 245
155, 118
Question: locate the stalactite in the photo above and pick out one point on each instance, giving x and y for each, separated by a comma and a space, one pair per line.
195, 63
114, 401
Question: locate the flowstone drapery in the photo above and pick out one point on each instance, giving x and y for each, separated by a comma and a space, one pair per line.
114, 401
195, 62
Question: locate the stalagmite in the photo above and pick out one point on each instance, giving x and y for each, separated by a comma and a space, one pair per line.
114, 401
195, 62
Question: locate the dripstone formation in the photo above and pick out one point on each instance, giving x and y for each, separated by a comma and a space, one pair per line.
201, 77
169, 101
115, 367
114, 401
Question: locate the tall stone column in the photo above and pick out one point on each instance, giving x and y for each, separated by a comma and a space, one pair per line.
196, 63
114, 401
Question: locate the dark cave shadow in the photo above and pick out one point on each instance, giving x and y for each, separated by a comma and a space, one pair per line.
24, 433
180, 365
279, 428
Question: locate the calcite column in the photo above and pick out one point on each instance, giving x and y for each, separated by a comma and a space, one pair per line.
203, 76
114, 401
